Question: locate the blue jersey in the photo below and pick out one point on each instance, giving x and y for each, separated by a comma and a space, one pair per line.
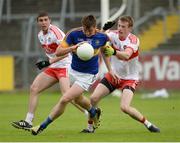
98, 40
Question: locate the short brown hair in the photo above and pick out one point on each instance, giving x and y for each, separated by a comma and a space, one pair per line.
128, 19
42, 14
88, 21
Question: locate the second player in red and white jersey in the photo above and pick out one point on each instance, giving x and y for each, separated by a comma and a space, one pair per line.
125, 69
124, 74
49, 42
55, 69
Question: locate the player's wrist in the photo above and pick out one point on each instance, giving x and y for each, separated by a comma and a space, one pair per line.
51, 61
73, 48
42, 64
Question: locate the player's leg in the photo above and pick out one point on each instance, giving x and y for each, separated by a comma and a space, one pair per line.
59, 108
85, 81
41, 82
102, 89
70, 95
126, 98
82, 101
80, 83
64, 86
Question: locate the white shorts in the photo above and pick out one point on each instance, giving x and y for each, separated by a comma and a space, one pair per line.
84, 80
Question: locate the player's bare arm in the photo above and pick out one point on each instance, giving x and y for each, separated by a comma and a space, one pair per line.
53, 60
65, 49
124, 55
108, 65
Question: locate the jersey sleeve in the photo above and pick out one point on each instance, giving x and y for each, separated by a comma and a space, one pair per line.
68, 40
59, 35
64, 44
110, 35
111, 38
59, 40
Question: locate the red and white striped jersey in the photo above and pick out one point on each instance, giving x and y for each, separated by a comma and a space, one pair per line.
125, 69
49, 42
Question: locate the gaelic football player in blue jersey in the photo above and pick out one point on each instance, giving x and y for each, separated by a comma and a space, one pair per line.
82, 73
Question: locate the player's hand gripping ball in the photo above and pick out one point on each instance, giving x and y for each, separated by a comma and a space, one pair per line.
85, 51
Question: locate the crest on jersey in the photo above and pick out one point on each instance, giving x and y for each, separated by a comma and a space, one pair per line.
124, 47
97, 42
49, 39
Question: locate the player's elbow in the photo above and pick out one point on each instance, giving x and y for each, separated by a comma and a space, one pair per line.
127, 53
124, 57
57, 54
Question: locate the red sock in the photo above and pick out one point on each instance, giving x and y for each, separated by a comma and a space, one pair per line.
90, 122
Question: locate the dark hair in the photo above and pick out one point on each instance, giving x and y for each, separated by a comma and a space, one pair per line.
128, 19
88, 21
42, 14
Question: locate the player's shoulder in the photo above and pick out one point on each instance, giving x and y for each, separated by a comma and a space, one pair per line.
75, 30
53, 27
133, 38
112, 31
98, 31
56, 31
101, 34
112, 34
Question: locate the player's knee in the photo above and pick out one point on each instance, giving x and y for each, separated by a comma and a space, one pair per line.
77, 101
125, 108
94, 100
34, 89
65, 100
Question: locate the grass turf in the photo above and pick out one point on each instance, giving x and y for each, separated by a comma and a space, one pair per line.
115, 125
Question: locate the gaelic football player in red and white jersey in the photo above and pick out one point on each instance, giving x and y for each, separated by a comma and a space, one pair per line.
123, 51
56, 69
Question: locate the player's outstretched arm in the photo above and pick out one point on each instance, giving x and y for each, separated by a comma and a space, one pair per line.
108, 25
45, 63
61, 51
56, 59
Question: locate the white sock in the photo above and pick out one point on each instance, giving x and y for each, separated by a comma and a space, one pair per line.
147, 123
29, 118
90, 126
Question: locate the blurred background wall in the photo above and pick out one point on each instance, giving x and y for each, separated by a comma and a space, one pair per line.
157, 23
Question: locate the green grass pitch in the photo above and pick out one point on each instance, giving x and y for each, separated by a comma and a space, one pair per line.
115, 125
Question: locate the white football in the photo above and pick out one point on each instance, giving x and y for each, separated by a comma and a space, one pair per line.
85, 51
